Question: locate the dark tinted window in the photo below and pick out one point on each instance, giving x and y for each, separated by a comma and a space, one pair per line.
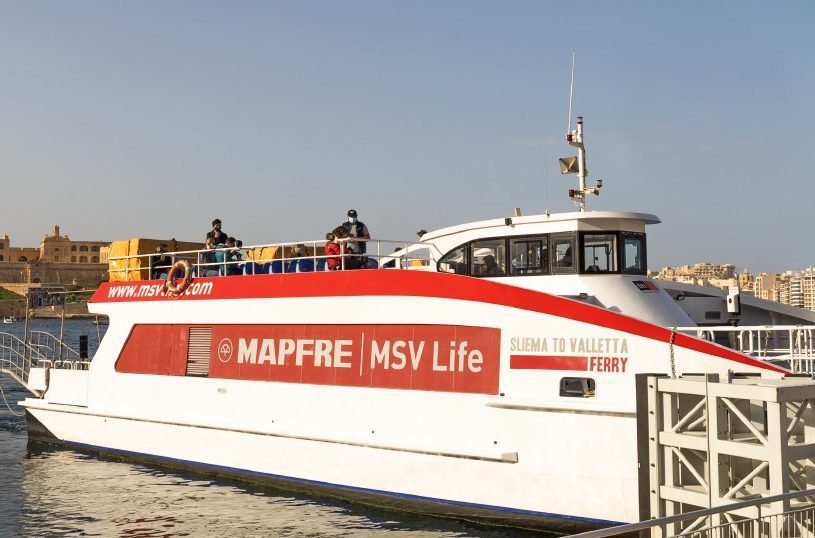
633, 253
600, 253
529, 256
563, 252
454, 262
488, 257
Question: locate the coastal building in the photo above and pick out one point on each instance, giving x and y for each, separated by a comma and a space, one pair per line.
702, 274
57, 260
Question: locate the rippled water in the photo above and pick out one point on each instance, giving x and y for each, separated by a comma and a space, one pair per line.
48, 492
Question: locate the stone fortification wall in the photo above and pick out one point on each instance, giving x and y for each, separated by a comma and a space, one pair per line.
67, 274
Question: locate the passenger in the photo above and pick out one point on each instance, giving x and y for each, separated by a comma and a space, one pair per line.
160, 262
233, 257
334, 248
566, 260
489, 267
208, 267
297, 251
217, 235
356, 229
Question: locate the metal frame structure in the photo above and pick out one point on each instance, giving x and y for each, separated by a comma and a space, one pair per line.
795, 523
706, 443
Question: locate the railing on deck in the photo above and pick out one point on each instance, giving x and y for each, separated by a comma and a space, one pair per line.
746, 519
401, 254
52, 349
794, 344
16, 357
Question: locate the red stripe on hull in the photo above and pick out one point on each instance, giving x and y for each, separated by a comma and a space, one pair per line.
548, 362
387, 282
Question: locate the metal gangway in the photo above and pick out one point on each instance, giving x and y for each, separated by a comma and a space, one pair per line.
40, 349
17, 357
790, 346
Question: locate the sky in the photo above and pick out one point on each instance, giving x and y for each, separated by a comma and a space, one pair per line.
149, 119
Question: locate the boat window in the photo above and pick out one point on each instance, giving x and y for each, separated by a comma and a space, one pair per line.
599, 253
577, 387
454, 262
529, 255
488, 257
634, 253
563, 247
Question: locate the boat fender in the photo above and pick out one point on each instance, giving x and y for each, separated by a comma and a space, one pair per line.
170, 284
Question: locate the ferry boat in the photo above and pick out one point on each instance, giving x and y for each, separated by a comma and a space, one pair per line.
485, 372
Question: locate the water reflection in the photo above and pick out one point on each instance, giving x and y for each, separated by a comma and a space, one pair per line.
65, 493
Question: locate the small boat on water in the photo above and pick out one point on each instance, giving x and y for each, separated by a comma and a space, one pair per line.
486, 371
11, 319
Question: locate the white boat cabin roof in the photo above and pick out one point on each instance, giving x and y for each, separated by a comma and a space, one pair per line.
544, 223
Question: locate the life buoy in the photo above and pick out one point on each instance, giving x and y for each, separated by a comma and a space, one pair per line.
170, 285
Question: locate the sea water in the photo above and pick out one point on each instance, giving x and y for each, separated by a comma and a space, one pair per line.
59, 492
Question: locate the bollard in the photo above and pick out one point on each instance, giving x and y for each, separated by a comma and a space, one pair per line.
83, 346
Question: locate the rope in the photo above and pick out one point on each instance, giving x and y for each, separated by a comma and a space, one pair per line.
767, 332
671, 352
12, 411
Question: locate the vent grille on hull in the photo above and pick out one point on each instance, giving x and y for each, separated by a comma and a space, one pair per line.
198, 351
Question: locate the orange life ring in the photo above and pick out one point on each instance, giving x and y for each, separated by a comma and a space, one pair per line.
170, 284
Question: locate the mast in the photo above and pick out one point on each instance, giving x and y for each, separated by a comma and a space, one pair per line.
577, 165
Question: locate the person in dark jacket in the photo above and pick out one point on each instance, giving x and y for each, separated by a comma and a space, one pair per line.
217, 235
356, 228
160, 262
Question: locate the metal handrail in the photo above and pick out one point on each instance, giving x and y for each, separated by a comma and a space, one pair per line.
52, 346
401, 255
795, 343
663, 522
17, 357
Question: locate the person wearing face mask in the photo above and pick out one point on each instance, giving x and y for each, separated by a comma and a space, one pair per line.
357, 228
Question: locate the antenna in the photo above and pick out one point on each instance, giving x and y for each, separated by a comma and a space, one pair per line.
577, 164
571, 95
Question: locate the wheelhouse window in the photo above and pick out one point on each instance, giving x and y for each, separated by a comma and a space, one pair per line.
529, 255
634, 253
599, 253
488, 258
563, 251
454, 262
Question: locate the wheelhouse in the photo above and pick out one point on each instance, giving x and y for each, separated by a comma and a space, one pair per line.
596, 244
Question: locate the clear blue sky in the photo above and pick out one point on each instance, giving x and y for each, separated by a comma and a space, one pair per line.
151, 118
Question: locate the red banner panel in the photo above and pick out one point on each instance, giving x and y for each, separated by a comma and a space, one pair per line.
446, 358
154, 349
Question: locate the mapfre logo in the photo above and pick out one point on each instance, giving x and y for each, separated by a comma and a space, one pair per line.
225, 350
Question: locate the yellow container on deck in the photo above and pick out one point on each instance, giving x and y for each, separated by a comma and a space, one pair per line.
138, 268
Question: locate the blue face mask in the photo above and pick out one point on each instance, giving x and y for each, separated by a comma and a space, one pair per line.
352, 220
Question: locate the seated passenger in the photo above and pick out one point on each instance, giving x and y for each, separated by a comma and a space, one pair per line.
233, 257
160, 262
297, 257
489, 267
566, 259
208, 261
